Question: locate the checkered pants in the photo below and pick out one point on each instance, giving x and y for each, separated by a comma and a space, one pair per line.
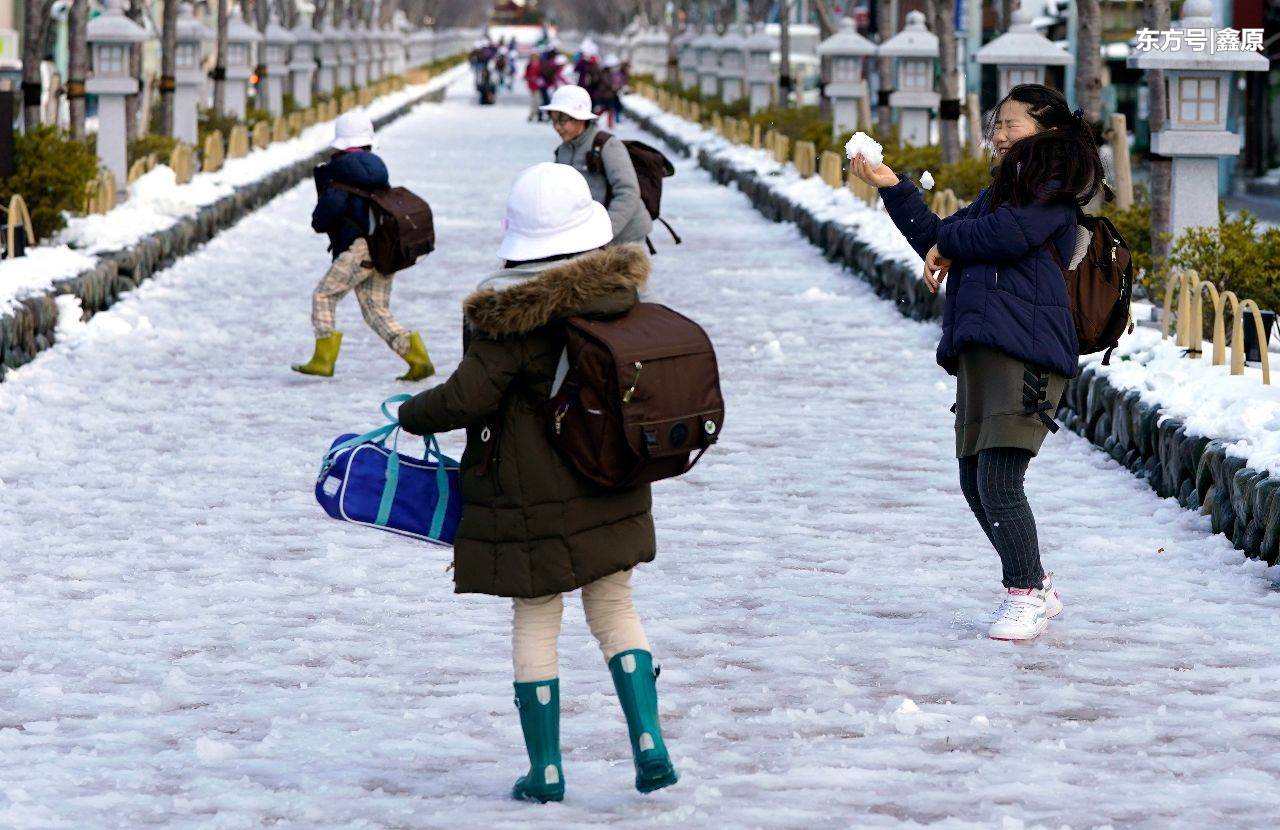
373, 290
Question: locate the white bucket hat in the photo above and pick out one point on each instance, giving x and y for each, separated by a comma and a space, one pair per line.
573, 101
550, 212
352, 129
612, 61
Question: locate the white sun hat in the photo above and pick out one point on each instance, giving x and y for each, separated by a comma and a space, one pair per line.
352, 129
550, 212
612, 61
573, 101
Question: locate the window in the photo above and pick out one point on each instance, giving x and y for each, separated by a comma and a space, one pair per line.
1198, 100
237, 54
915, 74
110, 60
186, 55
760, 62
844, 69
1022, 75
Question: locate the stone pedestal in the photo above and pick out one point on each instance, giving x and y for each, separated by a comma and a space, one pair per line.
112, 150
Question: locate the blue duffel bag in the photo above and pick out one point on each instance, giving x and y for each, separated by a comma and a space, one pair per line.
365, 482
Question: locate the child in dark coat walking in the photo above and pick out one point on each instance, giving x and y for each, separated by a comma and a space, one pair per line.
345, 217
1007, 333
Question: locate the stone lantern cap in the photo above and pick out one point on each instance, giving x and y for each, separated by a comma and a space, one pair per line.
1022, 45
190, 28
1198, 14
914, 41
304, 33
275, 34
734, 39
846, 43
113, 27
238, 31
704, 40
761, 41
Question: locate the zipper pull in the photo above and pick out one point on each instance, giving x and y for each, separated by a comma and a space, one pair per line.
560, 413
626, 398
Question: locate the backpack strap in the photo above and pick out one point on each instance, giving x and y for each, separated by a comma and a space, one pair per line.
595, 162
363, 194
671, 230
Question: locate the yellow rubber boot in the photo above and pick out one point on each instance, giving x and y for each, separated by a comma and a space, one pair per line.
419, 361
326, 355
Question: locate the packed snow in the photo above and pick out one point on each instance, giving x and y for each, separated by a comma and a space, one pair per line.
865, 146
190, 642
926, 180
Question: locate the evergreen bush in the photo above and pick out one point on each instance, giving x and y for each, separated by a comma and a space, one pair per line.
161, 145
52, 172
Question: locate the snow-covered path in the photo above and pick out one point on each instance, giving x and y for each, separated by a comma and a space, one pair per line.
188, 642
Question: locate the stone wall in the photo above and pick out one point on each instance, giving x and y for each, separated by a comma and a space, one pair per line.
1243, 503
28, 328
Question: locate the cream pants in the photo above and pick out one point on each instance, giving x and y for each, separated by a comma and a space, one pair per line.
610, 616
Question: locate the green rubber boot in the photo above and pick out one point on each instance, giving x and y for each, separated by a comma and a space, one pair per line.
635, 678
326, 355
419, 361
539, 705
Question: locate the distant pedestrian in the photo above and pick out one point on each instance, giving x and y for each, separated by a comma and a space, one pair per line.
1007, 331
533, 529
345, 217
605, 163
534, 80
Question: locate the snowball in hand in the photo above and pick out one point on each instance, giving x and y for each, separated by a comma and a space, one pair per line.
926, 181
864, 145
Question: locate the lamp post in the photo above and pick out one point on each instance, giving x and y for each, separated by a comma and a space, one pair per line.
240, 40
276, 41
842, 57
1198, 89
1021, 55
733, 64
110, 36
761, 79
191, 35
302, 63
915, 51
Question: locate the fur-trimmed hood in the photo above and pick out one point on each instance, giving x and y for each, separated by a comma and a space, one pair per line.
606, 281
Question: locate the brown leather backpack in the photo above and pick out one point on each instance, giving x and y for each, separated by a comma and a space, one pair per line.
641, 395
403, 227
651, 168
1099, 284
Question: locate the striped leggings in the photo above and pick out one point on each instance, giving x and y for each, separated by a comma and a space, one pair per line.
993, 484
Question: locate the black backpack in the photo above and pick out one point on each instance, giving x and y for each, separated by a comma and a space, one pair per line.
403, 227
651, 168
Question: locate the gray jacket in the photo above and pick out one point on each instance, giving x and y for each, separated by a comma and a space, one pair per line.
631, 222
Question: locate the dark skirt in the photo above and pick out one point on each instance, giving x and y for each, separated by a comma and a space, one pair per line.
1002, 402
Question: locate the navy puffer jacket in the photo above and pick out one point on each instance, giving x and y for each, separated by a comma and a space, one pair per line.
1004, 289
342, 215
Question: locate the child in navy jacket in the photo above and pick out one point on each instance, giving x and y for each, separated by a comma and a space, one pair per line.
346, 218
1007, 333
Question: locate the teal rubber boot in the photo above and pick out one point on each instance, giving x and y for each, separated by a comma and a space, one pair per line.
539, 705
635, 679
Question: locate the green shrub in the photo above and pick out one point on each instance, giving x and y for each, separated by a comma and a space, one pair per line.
210, 120
1134, 225
1234, 256
52, 171
290, 104
161, 145
253, 115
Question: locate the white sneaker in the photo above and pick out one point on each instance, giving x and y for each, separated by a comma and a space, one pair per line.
1021, 616
1052, 602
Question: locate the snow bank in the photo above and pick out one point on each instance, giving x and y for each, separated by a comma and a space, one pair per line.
38, 270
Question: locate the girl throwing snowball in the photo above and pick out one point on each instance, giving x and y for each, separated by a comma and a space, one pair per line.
1007, 333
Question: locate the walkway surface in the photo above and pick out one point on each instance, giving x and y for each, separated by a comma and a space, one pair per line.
189, 642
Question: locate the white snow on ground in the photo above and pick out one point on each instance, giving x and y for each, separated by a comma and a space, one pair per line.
156, 202
1205, 397
189, 641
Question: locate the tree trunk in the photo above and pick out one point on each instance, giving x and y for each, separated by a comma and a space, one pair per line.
885, 26
1006, 14
35, 27
944, 26
220, 61
784, 51
168, 64
1156, 16
1089, 59
77, 64
132, 102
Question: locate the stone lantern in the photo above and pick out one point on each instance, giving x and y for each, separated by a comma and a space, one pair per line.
843, 55
400, 39
274, 52
1021, 54
240, 40
346, 71
360, 49
1198, 89
733, 64
302, 63
189, 76
707, 48
111, 36
654, 45
915, 51
761, 79
386, 51
688, 59
326, 47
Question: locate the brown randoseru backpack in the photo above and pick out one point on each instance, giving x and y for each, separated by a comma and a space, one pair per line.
651, 168
641, 395
1099, 284
403, 227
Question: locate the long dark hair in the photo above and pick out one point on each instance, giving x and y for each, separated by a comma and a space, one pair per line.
1058, 164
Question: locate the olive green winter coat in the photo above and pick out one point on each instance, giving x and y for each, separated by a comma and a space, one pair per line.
531, 526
